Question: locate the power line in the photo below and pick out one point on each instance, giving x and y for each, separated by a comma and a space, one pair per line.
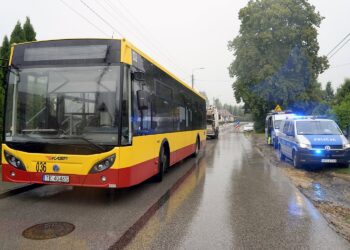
150, 41
87, 20
115, 17
339, 49
104, 20
338, 44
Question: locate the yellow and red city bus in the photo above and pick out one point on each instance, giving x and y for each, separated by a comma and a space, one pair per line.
97, 113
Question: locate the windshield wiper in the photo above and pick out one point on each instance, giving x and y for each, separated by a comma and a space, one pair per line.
84, 139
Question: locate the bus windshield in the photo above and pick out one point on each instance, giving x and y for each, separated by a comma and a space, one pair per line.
63, 104
317, 128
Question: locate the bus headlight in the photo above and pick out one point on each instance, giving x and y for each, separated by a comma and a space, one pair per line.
103, 165
346, 146
304, 145
14, 161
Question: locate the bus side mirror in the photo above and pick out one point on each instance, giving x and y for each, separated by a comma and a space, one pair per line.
138, 76
142, 99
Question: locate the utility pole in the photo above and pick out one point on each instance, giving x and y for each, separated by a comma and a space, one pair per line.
192, 76
192, 80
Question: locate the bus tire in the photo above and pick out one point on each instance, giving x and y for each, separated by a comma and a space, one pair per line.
196, 152
163, 163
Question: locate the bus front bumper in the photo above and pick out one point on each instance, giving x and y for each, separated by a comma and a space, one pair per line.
105, 179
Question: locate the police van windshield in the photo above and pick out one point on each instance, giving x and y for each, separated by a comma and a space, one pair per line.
317, 128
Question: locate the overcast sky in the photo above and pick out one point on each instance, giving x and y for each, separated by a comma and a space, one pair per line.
181, 35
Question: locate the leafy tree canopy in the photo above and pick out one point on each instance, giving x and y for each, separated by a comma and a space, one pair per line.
342, 112
276, 57
329, 92
29, 33
342, 91
204, 94
17, 35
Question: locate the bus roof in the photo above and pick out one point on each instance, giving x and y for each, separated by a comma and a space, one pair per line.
126, 48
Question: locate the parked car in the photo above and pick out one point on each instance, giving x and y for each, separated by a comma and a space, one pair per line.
248, 127
313, 141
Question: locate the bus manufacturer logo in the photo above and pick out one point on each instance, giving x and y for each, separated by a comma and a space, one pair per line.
327, 147
57, 158
56, 168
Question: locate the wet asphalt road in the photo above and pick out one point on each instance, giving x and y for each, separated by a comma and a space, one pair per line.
231, 198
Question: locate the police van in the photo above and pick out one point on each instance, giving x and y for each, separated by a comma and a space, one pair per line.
272, 126
313, 141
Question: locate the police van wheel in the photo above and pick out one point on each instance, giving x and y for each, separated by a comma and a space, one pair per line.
296, 160
281, 155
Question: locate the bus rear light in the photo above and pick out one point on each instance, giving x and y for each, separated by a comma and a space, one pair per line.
103, 165
14, 161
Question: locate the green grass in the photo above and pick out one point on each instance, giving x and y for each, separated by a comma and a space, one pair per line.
343, 171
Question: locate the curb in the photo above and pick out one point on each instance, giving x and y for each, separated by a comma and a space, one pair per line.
19, 190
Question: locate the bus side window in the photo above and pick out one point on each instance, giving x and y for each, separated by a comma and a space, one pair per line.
141, 119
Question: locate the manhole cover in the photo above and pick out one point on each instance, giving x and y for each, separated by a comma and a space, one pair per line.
48, 230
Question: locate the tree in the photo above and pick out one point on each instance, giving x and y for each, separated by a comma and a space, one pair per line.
205, 96
4, 54
342, 91
217, 103
5, 48
276, 57
342, 112
29, 33
17, 35
329, 92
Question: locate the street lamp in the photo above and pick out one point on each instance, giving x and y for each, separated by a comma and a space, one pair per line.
193, 70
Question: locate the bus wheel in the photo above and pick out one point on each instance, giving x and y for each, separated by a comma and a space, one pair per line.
162, 165
196, 152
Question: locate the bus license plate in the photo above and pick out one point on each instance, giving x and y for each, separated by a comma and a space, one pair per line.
56, 178
329, 160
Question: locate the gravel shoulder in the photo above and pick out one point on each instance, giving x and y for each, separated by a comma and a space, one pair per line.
328, 189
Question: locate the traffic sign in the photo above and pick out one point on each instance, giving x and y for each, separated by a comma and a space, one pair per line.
278, 108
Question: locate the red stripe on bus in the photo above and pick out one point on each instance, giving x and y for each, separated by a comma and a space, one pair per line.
124, 177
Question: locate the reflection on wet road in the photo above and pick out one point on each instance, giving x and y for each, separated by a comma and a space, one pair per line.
235, 200
230, 198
